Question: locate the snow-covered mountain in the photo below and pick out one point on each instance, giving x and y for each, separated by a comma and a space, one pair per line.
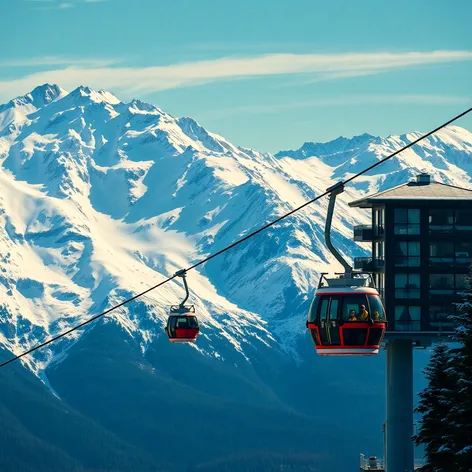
100, 199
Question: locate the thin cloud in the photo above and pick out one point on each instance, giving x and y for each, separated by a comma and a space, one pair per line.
51, 5
142, 80
59, 61
55, 6
349, 100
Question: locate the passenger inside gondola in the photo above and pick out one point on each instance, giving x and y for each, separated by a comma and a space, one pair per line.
377, 309
363, 314
352, 307
352, 316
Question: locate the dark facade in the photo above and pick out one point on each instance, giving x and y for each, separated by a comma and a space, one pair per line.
421, 238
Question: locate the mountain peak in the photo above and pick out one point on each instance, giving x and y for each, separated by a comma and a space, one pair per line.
138, 106
87, 168
45, 94
39, 97
82, 90
311, 148
100, 96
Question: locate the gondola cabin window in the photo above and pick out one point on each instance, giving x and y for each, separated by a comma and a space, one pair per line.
351, 308
324, 308
312, 314
352, 304
377, 312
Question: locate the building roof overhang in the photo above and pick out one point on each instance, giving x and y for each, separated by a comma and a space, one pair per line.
415, 191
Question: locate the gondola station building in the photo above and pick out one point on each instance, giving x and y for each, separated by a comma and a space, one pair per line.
421, 235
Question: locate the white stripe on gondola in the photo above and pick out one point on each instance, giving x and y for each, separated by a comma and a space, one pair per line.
346, 351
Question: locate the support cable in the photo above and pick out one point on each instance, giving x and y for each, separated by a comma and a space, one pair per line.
236, 243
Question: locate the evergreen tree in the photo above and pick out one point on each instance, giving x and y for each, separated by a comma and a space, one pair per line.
436, 431
461, 413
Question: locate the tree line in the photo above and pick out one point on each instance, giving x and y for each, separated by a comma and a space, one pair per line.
446, 403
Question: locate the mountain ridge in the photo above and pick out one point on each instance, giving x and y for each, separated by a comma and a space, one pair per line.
101, 199
95, 155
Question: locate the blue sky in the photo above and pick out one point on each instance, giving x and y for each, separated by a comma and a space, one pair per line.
264, 74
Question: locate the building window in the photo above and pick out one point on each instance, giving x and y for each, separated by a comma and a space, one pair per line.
407, 318
444, 253
439, 316
441, 221
461, 282
407, 221
441, 253
447, 284
407, 254
407, 286
446, 221
464, 220
441, 284
463, 253
379, 254
379, 227
380, 283
379, 246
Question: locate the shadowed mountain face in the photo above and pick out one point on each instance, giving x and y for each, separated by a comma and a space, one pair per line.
101, 199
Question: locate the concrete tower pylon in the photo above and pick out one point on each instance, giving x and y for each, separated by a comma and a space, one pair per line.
399, 425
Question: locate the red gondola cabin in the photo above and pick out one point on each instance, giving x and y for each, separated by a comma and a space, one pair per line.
182, 324
347, 317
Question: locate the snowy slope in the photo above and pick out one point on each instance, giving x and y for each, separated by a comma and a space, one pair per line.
101, 199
